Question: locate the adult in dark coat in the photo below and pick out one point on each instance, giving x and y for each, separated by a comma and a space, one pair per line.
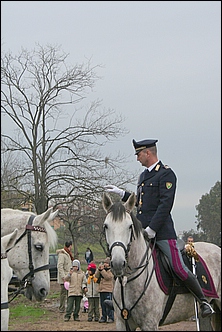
155, 198
88, 255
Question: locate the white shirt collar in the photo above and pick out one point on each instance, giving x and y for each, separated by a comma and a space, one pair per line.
152, 166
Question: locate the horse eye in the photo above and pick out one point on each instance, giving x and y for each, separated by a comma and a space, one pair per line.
131, 226
105, 227
39, 247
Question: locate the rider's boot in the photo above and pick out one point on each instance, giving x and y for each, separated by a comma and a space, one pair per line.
109, 304
194, 287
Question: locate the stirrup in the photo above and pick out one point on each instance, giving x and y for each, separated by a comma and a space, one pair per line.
209, 307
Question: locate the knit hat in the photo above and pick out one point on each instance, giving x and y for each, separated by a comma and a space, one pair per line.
91, 267
76, 262
107, 260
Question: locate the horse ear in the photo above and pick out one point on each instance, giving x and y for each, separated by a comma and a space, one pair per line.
8, 241
47, 215
107, 202
130, 203
53, 215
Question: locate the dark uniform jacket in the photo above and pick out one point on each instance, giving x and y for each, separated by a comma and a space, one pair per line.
155, 198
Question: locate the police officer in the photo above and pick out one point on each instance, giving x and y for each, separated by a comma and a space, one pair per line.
155, 197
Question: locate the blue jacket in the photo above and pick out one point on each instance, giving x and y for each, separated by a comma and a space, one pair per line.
155, 198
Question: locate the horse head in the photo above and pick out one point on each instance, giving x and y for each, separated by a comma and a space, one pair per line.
118, 229
29, 258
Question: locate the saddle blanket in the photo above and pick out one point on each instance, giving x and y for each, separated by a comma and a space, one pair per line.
166, 280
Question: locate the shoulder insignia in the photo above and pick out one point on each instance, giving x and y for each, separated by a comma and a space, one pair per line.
157, 167
166, 166
168, 185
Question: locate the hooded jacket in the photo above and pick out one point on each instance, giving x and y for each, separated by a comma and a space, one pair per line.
77, 281
64, 264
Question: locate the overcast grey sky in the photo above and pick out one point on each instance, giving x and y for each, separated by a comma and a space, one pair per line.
161, 70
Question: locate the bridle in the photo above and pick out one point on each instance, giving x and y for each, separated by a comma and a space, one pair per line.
4, 305
118, 243
143, 266
28, 278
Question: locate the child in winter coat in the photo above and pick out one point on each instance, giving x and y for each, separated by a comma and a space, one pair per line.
77, 286
92, 293
106, 284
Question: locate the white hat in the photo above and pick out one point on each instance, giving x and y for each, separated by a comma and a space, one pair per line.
76, 262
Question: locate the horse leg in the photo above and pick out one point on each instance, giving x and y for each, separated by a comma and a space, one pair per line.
205, 323
216, 318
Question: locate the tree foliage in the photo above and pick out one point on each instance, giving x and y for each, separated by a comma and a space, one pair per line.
209, 214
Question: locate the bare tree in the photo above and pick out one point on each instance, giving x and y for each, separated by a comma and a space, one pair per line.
63, 149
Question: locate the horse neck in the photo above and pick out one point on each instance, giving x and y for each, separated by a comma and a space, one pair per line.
139, 251
6, 274
10, 222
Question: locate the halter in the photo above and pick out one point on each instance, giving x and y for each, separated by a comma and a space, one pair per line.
27, 279
4, 305
118, 243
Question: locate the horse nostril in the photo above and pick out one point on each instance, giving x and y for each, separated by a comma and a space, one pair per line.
43, 292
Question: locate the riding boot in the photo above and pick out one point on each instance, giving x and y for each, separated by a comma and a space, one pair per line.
194, 287
109, 304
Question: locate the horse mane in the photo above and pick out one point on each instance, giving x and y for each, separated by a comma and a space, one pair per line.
118, 211
52, 236
137, 225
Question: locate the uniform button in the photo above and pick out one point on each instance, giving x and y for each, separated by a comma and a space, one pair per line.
140, 212
142, 184
142, 193
151, 184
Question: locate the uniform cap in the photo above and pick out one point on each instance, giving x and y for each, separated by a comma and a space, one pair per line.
141, 145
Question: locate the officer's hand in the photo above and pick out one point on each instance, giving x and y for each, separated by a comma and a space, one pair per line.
151, 233
113, 189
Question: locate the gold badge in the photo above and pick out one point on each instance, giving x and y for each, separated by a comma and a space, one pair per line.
168, 185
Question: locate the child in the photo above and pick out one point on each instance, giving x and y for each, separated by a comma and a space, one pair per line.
92, 293
77, 287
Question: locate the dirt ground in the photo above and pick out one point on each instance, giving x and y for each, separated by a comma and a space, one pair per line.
56, 322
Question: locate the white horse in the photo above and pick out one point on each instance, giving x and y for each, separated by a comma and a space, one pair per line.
29, 258
138, 300
7, 242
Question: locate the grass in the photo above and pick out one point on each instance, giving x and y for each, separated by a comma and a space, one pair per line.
21, 307
30, 312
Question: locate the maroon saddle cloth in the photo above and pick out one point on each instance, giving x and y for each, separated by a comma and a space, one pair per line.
168, 280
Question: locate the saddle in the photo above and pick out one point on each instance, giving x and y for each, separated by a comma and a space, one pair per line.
169, 282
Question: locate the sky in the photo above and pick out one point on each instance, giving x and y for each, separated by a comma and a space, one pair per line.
160, 69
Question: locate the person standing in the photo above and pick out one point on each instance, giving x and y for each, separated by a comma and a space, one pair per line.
106, 283
77, 287
88, 255
65, 259
92, 293
156, 189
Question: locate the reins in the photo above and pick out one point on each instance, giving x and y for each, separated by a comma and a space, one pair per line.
27, 279
132, 274
125, 312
